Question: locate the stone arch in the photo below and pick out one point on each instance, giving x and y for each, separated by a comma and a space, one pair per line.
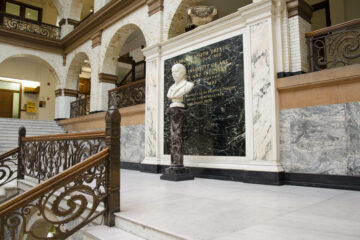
59, 6
74, 70
75, 9
116, 44
179, 15
38, 60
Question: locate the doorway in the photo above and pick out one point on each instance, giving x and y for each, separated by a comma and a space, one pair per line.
6, 106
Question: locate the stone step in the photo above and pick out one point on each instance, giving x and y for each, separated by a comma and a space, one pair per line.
9, 129
144, 230
8, 191
107, 233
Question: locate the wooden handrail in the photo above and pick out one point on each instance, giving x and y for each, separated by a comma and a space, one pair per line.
53, 183
66, 136
9, 153
333, 28
127, 85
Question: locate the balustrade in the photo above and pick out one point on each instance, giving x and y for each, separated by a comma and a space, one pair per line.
22, 24
80, 107
128, 95
334, 46
80, 174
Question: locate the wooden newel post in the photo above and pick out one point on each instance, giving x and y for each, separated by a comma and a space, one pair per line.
22, 133
113, 120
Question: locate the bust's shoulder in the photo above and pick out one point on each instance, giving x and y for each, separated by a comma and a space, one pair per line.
189, 85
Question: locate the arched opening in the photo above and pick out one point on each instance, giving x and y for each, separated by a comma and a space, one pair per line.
327, 13
180, 20
334, 37
87, 9
79, 80
27, 88
124, 57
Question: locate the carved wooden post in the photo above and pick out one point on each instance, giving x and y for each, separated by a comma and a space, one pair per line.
20, 174
113, 120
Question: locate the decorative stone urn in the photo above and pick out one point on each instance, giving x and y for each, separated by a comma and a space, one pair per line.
200, 15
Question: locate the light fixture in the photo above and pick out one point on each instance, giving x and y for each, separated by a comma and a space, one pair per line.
25, 83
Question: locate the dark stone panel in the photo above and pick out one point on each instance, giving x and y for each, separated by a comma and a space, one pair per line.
130, 165
289, 74
215, 123
150, 168
321, 180
269, 178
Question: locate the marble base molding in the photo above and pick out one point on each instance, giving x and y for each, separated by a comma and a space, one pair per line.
260, 177
173, 173
323, 181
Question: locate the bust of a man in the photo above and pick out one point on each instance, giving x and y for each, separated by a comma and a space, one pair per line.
180, 87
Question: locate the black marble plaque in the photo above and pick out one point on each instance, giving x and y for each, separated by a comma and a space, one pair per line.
215, 123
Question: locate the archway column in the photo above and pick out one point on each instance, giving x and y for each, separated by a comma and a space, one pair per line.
105, 83
63, 98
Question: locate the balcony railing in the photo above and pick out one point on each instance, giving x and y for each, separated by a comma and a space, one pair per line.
26, 25
334, 46
80, 107
128, 94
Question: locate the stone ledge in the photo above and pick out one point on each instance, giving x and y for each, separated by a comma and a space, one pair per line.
133, 115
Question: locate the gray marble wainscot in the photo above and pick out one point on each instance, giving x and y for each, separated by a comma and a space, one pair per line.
314, 140
132, 143
352, 118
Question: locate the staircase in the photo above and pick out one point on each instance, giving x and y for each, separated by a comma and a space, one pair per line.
9, 128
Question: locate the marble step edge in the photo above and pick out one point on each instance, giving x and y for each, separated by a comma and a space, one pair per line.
145, 231
106, 233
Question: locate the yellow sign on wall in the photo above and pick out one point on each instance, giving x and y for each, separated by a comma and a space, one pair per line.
30, 107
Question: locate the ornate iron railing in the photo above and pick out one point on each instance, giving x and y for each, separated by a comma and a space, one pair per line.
75, 191
80, 107
128, 95
8, 166
73, 196
46, 156
334, 46
22, 24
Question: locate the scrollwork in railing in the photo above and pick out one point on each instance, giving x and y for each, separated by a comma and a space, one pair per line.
26, 25
8, 166
128, 95
66, 202
43, 158
334, 46
80, 107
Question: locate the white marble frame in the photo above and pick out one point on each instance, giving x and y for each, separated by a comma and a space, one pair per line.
262, 150
205, 161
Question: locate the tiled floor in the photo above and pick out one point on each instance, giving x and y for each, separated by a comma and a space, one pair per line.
214, 209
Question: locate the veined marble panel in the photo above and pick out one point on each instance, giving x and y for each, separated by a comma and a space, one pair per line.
262, 97
151, 105
321, 139
132, 143
352, 120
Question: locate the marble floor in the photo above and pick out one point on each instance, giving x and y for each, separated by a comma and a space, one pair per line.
213, 209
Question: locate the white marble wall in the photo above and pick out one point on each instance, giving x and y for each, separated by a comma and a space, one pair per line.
256, 23
262, 85
321, 139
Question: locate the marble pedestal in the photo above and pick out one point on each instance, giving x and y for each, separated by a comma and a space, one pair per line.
177, 171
